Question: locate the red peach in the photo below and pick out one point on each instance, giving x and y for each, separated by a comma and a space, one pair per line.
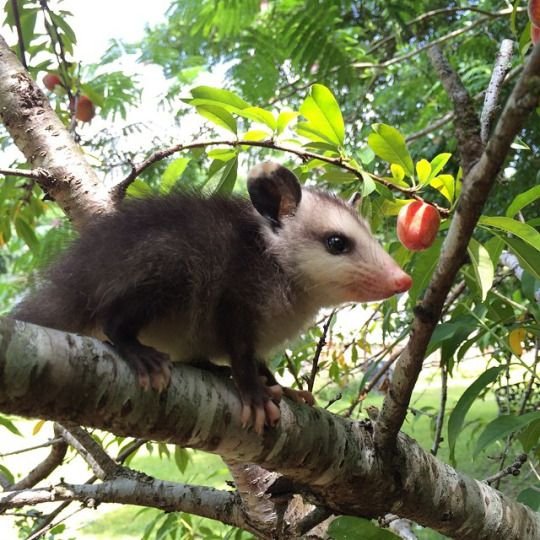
534, 12
85, 109
417, 225
51, 80
535, 33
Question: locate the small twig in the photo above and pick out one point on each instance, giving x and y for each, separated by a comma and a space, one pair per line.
318, 350
442, 407
500, 70
435, 42
101, 463
314, 518
35, 174
37, 534
434, 13
514, 470
20, 38
119, 190
293, 371
45, 523
529, 389
50, 442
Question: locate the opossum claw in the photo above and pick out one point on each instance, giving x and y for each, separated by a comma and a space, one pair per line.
299, 396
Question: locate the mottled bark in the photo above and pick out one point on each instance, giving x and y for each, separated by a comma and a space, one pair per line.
44, 373
46, 144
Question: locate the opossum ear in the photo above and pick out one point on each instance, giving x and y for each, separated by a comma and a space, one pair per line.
274, 191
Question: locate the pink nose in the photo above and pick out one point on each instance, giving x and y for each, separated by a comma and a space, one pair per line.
402, 282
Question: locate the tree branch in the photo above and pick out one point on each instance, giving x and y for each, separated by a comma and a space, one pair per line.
44, 372
476, 186
46, 144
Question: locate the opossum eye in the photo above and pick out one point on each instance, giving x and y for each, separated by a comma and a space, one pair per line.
336, 244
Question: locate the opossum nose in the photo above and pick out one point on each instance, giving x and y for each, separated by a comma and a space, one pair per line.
402, 282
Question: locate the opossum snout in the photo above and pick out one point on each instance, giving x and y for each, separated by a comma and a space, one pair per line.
401, 282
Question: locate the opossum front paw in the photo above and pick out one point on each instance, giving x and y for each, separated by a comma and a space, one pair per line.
260, 408
152, 367
299, 396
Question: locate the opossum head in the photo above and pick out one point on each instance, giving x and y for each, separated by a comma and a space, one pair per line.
321, 241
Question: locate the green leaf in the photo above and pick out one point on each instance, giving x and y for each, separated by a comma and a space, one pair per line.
423, 171
219, 116
219, 97
389, 144
530, 436
457, 417
284, 119
9, 425
259, 115
502, 427
398, 174
173, 173
228, 178
354, 528
7, 473
26, 232
256, 135
438, 163
422, 269
484, 271
181, 458
445, 184
512, 226
223, 154
531, 497
139, 188
529, 258
522, 200
323, 115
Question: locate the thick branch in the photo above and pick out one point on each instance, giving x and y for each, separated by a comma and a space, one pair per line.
466, 123
46, 144
476, 186
44, 372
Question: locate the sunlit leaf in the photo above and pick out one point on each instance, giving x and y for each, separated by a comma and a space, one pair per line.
172, 174
323, 115
438, 163
259, 115
423, 171
445, 185
219, 116
284, 119
256, 135
389, 144
219, 97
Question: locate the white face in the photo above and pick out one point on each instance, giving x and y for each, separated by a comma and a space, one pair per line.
333, 255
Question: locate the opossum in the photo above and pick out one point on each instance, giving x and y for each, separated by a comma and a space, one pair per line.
189, 278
